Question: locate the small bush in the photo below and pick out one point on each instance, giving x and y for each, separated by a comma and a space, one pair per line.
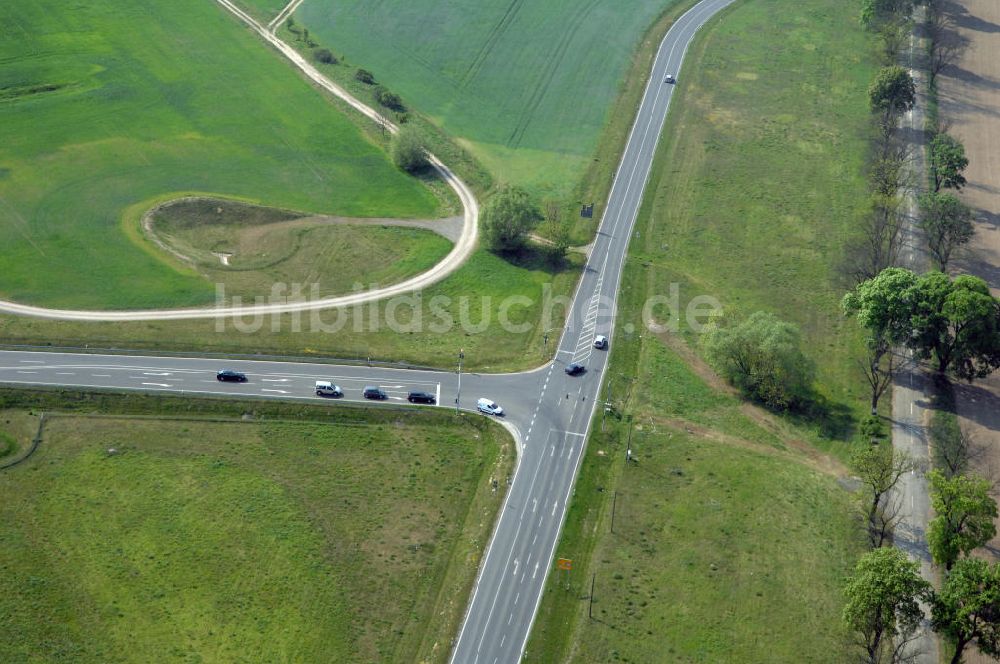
365, 76
872, 428
388, 99
325, 56
409, 150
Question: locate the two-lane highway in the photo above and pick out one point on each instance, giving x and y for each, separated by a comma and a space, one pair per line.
548, 411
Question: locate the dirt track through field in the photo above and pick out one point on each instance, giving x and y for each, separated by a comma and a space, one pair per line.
969, 93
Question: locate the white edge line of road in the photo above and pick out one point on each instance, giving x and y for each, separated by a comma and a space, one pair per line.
459, 253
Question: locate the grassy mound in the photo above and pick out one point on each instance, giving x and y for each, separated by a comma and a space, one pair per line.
249, 249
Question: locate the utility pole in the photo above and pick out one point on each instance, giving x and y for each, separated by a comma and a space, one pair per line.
628, 445
458, 395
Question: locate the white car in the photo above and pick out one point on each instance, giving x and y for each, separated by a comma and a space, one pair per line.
489, 407
325, 388
600, 342
669, 78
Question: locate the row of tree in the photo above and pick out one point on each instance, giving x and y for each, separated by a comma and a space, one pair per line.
886, 589
955, 324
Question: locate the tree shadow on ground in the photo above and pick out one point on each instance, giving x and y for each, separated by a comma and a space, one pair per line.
985, 405
963, 19
537, 258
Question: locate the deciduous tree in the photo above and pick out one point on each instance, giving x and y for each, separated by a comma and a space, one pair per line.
508, 217
967, 610
763, 357
964, 511
947, 161
892, 93
955, 322
879, 467
883, 603
947, 225
409, 151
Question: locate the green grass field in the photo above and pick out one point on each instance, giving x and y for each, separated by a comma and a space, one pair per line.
109, 107
526, 87
275, 540
265, 246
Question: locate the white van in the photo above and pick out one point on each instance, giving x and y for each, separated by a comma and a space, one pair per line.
325, 388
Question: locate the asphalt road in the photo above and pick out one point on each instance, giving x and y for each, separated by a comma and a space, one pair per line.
548, 412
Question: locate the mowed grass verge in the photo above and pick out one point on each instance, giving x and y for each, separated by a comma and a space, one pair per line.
731, 534
106, 106
352, 540
526, 87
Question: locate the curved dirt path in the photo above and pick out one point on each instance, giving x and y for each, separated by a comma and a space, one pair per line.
463, 248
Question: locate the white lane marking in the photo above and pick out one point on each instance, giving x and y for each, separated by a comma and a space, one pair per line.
275, 391
27, 372
573, 433
101, 375
517, 598
536, 570
510, 617
437, 399
554, 506
274, 380
155, 373
158, 384
65, 373
32, 361
553, 452
534, 505
502, 639
516, 563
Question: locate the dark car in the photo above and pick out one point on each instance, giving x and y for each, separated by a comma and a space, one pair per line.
575, 369
231, 376
421, 397
372, 392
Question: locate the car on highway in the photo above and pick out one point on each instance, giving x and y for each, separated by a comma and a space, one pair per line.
669, 78
421, 397
601, 342
325, 388
489, 407
372, 392
575, 369
231, 376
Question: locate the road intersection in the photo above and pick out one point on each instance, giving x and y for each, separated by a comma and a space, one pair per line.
548, 412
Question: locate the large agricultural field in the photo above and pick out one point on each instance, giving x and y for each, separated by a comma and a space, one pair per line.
299, 535
732, 535
109, 107
527, 87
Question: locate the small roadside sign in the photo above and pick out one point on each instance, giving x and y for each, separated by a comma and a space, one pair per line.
564, 563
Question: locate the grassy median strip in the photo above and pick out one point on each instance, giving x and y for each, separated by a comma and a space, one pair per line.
164, 529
